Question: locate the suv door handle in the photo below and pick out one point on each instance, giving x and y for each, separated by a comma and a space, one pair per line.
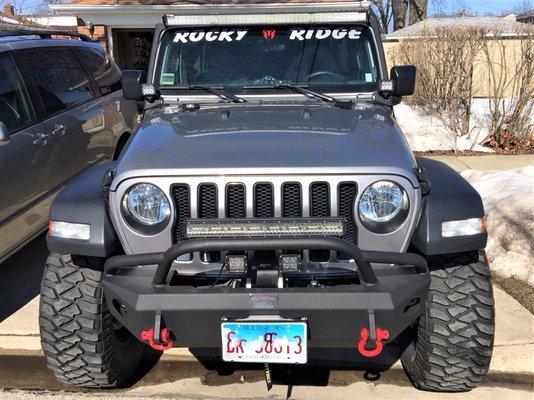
42, 138
59, 130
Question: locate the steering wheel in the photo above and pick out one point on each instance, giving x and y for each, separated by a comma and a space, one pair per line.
314, 75
16, 115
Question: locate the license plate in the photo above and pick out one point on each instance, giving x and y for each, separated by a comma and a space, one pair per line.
264, 342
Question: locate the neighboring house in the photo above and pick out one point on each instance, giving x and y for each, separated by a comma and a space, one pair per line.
505, 32
527, 18
126, 27
505, 44
56, 22
8, 20
505, 27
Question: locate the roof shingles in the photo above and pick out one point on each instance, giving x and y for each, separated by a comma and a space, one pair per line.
495, 25
184, 2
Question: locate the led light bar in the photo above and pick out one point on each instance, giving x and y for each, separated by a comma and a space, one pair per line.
466, 227
231, 228
271, 14
67, 230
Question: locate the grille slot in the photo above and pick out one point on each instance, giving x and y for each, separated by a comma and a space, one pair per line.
346, 200
182, 202
207, 201
291, 200
235, 201
263, 200
208, 209
319, 207
320, 200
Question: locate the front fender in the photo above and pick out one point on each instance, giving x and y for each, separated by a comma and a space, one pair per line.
84, 201
451, 198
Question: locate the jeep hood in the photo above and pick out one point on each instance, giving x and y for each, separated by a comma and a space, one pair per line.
260, 139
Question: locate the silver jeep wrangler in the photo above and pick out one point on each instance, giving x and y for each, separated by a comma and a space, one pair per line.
269, 210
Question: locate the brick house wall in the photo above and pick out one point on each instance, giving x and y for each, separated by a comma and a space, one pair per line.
100, 34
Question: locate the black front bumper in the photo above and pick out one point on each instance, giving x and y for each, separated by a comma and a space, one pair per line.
390, 297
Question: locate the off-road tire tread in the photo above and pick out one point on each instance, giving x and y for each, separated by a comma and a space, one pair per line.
76, 326
456, 333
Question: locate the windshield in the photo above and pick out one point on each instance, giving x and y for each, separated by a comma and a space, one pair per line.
342, 58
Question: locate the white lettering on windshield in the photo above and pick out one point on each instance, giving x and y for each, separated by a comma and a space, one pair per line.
324, 33
212, 35
225, 35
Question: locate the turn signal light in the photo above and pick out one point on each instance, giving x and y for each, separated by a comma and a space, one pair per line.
466, 227
67, 230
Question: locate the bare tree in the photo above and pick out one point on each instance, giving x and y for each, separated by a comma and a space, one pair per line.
384, 11
400, 11
445, 60
510, 84
408, 12
418, 10
522, 7
25, 7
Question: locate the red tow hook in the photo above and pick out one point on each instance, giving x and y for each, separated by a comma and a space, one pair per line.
381, 334
165, 344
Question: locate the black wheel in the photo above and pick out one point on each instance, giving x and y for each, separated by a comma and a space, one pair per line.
83, 343
454, 340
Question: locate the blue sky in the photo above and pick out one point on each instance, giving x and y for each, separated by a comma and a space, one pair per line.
478, 6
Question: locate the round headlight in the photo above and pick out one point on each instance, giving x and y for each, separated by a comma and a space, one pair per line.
383, 207
146, 208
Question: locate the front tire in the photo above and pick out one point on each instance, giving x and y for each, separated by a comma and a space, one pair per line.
83, 343
454, 340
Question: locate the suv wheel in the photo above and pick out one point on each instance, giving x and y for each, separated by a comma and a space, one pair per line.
83, 343
454, 340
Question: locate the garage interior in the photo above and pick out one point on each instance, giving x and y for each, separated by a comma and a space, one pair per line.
131, 48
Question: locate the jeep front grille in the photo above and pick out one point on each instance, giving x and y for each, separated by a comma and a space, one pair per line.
260, 201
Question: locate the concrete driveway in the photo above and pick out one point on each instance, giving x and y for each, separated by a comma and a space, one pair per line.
23, 374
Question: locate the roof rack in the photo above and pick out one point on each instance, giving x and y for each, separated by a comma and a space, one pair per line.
45, 34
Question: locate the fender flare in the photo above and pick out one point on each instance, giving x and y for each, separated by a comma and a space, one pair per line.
451, 198
84, 201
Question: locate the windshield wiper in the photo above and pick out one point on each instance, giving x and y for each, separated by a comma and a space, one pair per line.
221, 95
347, 105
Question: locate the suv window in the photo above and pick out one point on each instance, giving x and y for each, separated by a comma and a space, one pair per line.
59, 77
107, 75
15, 107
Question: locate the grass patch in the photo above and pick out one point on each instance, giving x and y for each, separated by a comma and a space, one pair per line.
519, 290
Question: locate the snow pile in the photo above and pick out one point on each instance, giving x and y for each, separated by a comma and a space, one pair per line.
428, 133
509, 202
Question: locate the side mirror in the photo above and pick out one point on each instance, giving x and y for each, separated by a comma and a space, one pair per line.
131, 84
404, 80
4, 134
